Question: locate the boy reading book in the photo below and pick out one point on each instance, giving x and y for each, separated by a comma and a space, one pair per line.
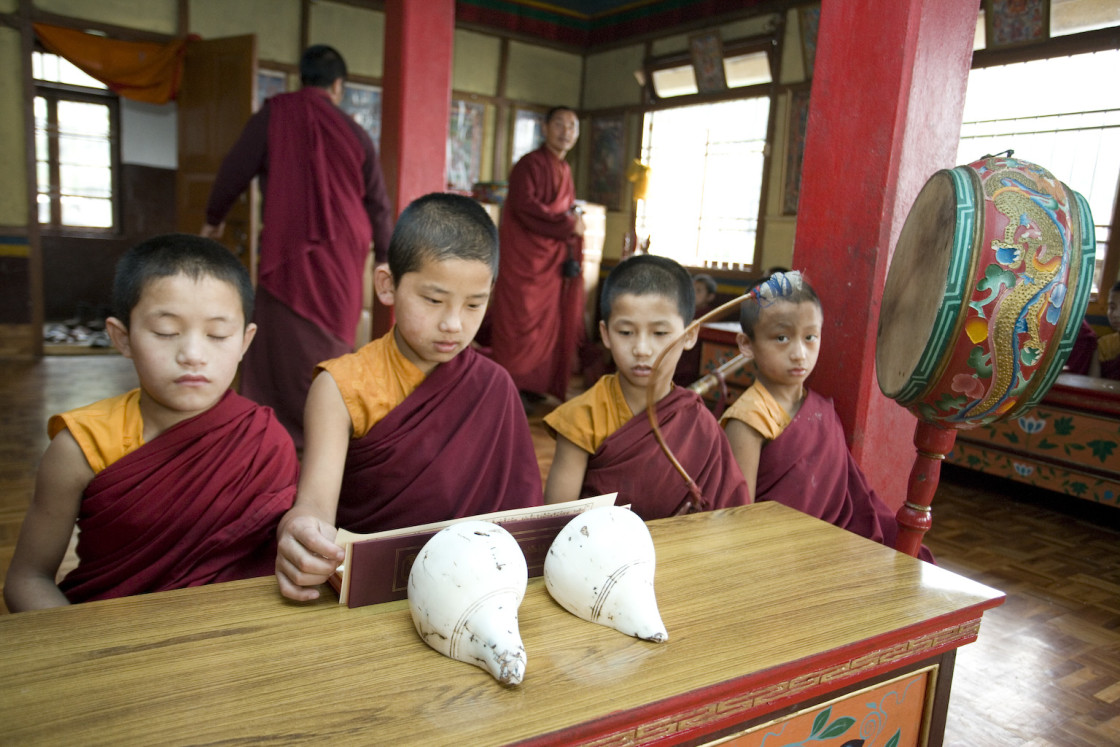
180, 482
415, 427
604, 442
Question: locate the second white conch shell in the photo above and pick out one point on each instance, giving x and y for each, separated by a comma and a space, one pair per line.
600, 568
464, 590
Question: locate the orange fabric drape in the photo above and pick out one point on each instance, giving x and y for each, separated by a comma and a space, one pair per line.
141, 71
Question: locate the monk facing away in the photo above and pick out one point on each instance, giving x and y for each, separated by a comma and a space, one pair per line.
604, 442
180, 482
417, 426
787, 438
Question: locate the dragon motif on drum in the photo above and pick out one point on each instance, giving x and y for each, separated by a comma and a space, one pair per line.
1008, 251
1025, 285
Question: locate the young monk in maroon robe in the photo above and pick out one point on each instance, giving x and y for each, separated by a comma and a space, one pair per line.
178, 483
604, 442
1105, 362
415, 427
536, 316
787, 438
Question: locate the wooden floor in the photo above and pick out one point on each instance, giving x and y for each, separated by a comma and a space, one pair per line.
1045, 670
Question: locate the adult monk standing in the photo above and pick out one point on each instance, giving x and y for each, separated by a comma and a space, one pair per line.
324, 200
537, 306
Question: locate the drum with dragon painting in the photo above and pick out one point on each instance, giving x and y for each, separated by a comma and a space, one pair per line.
985, 293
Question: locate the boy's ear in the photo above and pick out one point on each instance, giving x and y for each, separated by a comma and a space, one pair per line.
603, 334
250, 333
118, 335
744, 344
383, 284
691, 339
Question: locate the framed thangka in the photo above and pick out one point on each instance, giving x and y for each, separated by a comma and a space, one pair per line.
607, 167
363, 103
706, 51
528, 133
795, 150
810, 21
1011, 22
464, 143
270, 83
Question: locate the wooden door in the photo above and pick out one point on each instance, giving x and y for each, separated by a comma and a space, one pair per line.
215, 100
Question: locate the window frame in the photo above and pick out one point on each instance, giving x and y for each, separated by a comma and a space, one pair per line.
1064, 46
735, 48
718, 264
54, 93
769, 43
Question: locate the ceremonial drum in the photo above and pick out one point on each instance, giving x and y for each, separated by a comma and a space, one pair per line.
985, 293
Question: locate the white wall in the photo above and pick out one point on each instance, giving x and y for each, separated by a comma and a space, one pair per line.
149, 134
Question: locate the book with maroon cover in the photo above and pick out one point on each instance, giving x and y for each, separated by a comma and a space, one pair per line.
377, 565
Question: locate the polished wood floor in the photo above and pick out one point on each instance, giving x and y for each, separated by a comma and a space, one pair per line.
1046, 667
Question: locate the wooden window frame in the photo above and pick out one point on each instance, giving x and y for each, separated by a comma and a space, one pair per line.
53, 93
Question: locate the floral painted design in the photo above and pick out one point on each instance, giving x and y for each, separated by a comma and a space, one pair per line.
884, 716
1066, 451
969, 385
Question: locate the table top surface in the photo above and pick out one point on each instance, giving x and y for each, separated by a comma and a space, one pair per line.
741, 591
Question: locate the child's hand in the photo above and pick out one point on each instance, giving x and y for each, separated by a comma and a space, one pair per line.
306, 554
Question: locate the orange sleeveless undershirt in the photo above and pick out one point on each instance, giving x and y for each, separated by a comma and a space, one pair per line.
373, 381
105, 430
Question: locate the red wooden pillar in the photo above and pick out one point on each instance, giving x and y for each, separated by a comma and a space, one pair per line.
884, 115
415, 105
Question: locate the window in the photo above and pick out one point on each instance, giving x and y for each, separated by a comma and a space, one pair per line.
744, 64
75, 146
1075, 134
705, 181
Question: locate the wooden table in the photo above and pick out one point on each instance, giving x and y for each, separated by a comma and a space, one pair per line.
773, 617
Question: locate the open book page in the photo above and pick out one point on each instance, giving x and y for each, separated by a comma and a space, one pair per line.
382, 559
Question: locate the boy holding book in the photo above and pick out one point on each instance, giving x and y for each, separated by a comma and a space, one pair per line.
415, 427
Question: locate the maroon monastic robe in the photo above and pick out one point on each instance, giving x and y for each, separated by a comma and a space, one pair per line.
198, 504
459, 445
809, 467
631, 462
324, 197
536, 315
315, 221
1083, 348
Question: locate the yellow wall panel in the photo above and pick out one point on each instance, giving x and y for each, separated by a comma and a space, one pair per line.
543, 75
475, 67
610, 78
358, 34
275, 22
13, 198
159, 16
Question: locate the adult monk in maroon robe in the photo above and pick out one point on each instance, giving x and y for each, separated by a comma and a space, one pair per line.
324, 199
536, 312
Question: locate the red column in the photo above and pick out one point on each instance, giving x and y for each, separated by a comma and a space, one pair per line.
415, 104
884, 115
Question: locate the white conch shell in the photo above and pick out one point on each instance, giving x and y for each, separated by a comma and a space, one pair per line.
464, 590
600, 568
